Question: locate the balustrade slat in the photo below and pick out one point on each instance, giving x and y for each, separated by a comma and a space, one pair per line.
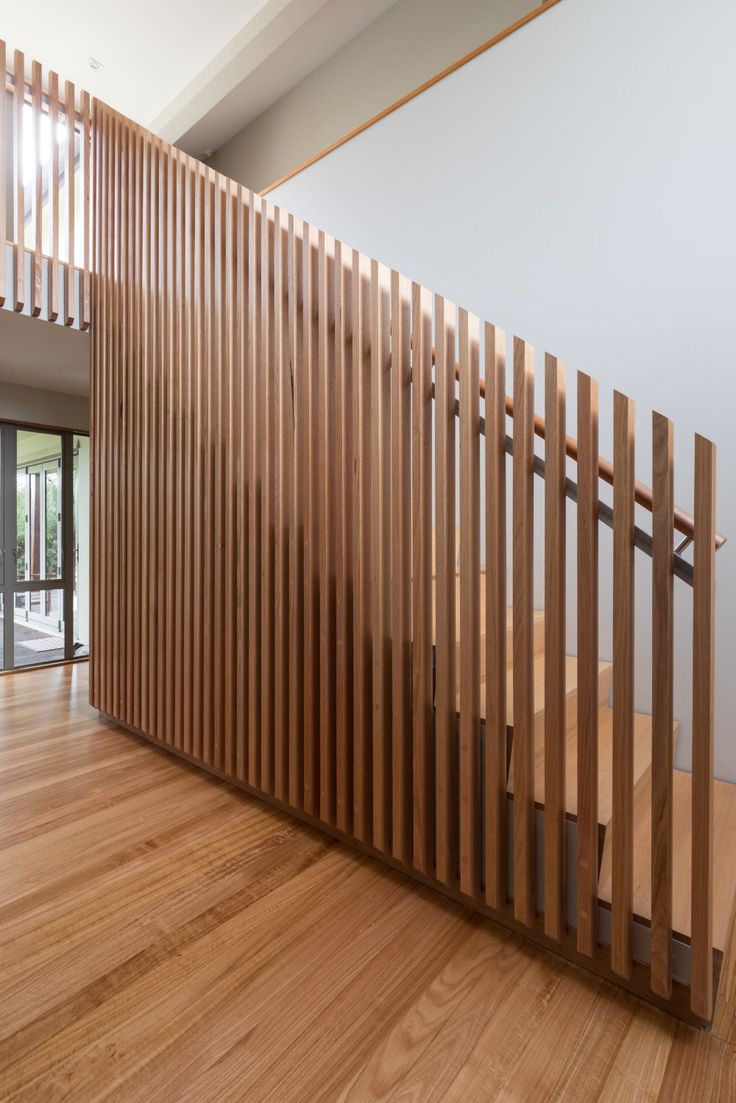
19, 265
326, 522
555, 732
37, 206
70, 171
421, 605
296, 527
446, 730
663, 532
701, 993
362, 493
401, 583
381, 556
469, 605
523, 668
266, 643
84, 103
54, 267
283, 425
587, 633
622, 819
311, 562
496, 748
343, 543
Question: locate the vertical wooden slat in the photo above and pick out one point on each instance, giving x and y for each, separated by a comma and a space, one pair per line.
523, 590
663, 503
282, 506
54, 267
84, 103
297, 414
198, 459
240, 478
326, 522
36, 268
255, 491
69, 114
554, 649
311, 562
446, 774
343, 544
587, 633
401, 604
267, 431
421, 635
380, 558
362, 475
622, 818
496, 751
704, 569
19, 197
469, 758
3, 172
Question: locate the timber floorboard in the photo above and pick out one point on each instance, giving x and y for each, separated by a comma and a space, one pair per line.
167, 938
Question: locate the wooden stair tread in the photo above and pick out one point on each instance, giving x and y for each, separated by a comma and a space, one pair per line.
605, 671
642, 762
724, 848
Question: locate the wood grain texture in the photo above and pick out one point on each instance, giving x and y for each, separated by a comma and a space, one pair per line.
555, 577
212, 940
496, 622
703, 726
662, 699
469, 763
622, 820
400, 626
265, 599
446, 777
523, 594
422, 768
587, 640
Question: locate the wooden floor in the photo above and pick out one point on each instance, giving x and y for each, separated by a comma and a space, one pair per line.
164, 937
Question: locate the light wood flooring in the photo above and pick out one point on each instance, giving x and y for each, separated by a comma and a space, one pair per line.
165, 938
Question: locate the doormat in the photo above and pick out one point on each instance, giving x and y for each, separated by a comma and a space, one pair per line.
48, 643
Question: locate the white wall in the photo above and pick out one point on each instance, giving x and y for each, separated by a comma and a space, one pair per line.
40, 407
576, 186
395, 53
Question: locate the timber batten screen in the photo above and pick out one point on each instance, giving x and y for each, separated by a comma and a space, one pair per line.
300, 533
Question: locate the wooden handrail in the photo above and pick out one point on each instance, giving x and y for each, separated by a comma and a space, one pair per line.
684, 521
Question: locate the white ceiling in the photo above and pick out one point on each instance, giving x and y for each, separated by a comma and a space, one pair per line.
34, 353
149, 49
195, 73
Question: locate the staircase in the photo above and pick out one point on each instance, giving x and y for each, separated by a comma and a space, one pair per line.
724, 911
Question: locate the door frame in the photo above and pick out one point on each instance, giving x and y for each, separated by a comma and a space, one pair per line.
10, 584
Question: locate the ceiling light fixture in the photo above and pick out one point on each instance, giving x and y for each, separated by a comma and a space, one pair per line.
94, 63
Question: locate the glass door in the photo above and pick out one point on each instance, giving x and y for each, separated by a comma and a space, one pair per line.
44, 491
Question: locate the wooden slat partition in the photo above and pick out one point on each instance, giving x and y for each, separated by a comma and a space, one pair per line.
523, 681
496, 752
423, 766
446, 729
267, 491
587, 710
555, 732
703, 727
663, 485
469, 766
401, 564
30, 215
622, 820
